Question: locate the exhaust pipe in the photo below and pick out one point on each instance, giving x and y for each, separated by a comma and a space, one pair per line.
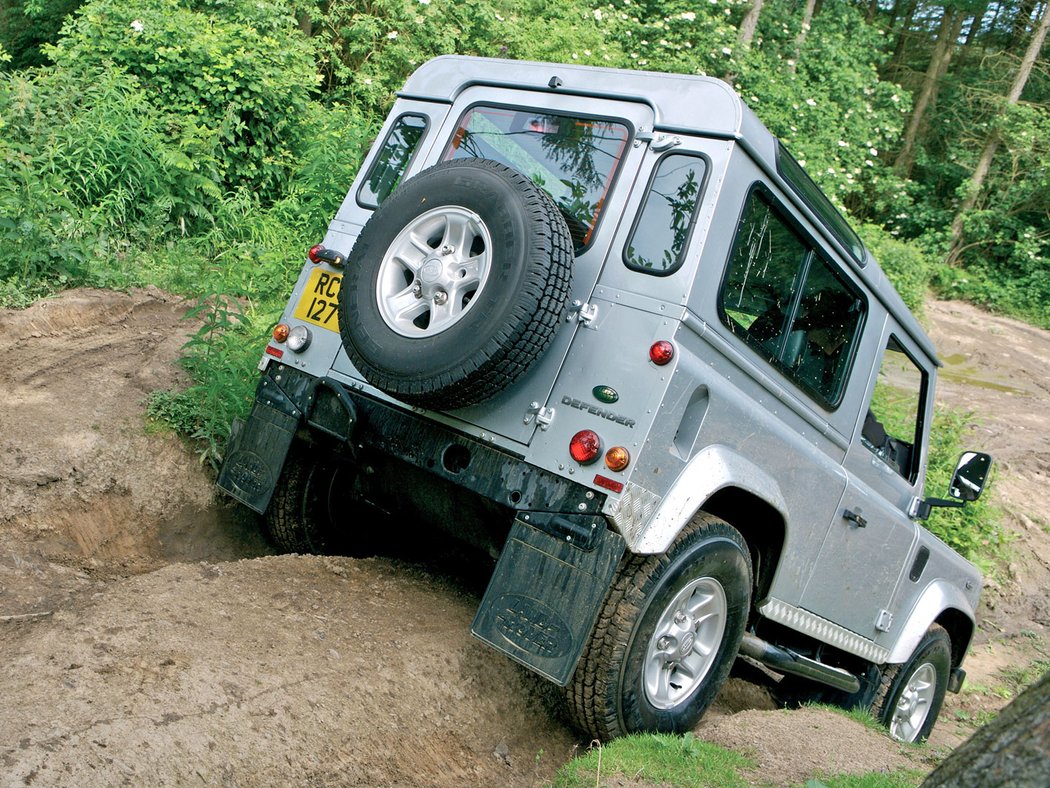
784, 661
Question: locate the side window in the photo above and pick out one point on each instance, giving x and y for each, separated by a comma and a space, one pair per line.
894, 420
660, 233
789, 304
392, 161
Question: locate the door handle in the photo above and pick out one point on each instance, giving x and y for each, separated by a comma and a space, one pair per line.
849, 514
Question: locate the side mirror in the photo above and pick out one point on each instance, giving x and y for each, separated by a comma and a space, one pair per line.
970, 476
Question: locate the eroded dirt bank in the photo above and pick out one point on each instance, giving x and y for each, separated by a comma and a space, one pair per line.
148, 636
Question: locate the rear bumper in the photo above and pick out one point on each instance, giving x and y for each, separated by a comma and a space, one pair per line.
288, 402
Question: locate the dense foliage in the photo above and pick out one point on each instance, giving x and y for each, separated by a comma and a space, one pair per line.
201, 144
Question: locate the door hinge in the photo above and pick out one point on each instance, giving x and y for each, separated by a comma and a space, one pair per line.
884, 621
585, 313
544, 416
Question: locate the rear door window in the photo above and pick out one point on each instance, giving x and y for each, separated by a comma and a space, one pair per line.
573, 159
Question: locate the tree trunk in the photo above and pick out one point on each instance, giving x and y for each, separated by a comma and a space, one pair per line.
1013, 749
984, 164
903, 31
1021, 23
750, 23
807, 19
947, 35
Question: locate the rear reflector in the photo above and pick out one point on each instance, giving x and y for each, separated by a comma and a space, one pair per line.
276, 352
608, 484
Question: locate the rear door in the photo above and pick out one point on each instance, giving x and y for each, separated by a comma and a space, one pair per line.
583, 152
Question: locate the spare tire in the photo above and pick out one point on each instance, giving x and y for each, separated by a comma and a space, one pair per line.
456, 284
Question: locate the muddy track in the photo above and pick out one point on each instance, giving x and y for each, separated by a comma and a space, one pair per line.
148, 634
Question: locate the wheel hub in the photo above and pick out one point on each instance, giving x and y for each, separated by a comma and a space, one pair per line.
433, 271
684, 644
914, 704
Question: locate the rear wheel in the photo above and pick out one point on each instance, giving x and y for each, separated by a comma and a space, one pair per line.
667, 635
910, 696
299, 518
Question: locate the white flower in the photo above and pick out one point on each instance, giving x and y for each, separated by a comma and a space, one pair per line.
688, 16
425, 2
597, 14
895, 98
137, 26
843, 144
801, 162
392, 35
587, 52
873, 151
727, 51
811, 102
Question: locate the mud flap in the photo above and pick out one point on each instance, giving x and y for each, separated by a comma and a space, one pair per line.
256, 456
548, 587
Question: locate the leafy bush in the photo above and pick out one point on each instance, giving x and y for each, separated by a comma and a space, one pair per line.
975, 530
237, 68
906, 265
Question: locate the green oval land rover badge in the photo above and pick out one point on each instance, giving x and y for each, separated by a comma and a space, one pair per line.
606, 394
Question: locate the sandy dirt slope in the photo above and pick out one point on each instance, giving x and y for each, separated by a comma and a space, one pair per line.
148, 636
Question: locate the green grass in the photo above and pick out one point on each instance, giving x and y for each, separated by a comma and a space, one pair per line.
658, 759
906, 779
663, 759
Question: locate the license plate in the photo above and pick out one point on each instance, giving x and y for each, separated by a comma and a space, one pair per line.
319, 301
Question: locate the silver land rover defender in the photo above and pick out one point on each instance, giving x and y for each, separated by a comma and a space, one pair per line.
602, 324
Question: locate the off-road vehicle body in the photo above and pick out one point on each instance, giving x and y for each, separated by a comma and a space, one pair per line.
603, 324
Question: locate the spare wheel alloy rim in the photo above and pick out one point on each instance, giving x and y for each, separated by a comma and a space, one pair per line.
685, 643
434, 271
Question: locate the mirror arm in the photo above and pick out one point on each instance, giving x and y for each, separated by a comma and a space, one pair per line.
922, 509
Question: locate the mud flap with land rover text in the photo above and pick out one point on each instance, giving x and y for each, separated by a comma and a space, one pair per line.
256, 455
546, 592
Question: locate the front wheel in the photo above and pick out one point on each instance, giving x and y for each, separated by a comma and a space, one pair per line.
667, 635
910, 695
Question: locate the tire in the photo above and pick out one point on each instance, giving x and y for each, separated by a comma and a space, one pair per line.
910, 695
666, 637
299, 518
456, 284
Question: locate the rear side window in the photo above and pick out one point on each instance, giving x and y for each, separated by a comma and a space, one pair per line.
658, 240
573, 159
390, 164
789, 304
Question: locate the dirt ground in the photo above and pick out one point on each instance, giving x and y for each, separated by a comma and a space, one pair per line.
148, 634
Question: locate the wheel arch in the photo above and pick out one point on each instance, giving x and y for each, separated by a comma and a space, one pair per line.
940, 603
719, 481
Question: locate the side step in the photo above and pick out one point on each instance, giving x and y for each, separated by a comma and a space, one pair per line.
784, 661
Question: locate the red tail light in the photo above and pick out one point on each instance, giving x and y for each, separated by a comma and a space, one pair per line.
585, 446
315, 253
661, 352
